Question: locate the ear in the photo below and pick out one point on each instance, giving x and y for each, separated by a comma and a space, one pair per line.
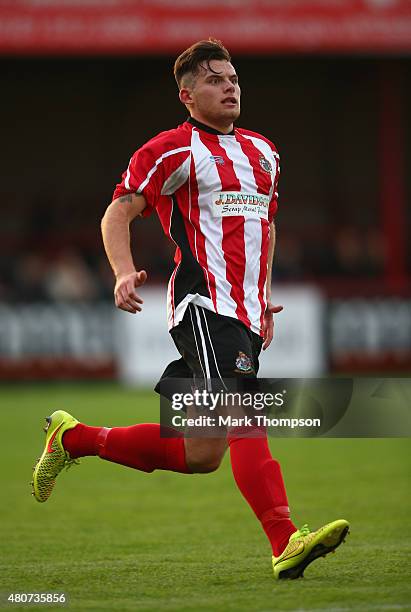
185, 96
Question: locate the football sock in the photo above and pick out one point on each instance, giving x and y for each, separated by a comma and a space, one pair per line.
82, 440
258, 476
139, 446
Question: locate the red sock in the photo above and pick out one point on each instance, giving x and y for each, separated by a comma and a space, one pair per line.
258, 476
138, 446
81, 441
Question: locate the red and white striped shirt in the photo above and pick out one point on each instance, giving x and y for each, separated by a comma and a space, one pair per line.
215, 195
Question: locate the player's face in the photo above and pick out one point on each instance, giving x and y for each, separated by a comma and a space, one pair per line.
215, 94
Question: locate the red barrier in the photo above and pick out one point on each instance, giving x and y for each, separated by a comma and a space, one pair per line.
167, 26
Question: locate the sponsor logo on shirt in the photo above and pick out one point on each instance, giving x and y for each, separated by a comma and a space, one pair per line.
240, 204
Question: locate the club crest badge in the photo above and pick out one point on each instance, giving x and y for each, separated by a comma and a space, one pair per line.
243, 363
265, 164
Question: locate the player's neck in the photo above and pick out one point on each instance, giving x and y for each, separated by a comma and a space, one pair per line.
210, 126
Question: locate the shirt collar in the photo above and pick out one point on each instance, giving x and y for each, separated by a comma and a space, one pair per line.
207, 128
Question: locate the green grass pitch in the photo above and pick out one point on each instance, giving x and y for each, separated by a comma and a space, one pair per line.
113, 538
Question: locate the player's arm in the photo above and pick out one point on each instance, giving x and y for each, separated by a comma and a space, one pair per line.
270, 258
115, 228
268, 324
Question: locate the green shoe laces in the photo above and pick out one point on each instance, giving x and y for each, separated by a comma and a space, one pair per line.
304, 531
69, 462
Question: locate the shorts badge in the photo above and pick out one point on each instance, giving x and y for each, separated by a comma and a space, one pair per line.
243, 363
265, 164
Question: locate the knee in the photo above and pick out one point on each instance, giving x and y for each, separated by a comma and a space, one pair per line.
204, 455
204, 464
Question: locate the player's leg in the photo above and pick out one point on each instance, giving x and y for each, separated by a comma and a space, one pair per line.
257, 474
145, 447
204, 455
233, 354
259, 479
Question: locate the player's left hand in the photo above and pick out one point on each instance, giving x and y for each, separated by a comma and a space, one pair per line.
268, 323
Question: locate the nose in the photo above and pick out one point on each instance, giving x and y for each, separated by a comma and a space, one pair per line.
229, 86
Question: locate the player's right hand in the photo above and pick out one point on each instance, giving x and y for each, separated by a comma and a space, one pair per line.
125, 295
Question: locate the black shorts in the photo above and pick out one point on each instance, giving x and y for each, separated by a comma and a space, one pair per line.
213, 348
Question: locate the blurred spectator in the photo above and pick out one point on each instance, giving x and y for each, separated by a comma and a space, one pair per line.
29, 275
288, 258
349, 251
375, 250
359, 252
319, 257
69, 278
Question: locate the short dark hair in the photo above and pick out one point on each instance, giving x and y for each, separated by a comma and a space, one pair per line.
202, 51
